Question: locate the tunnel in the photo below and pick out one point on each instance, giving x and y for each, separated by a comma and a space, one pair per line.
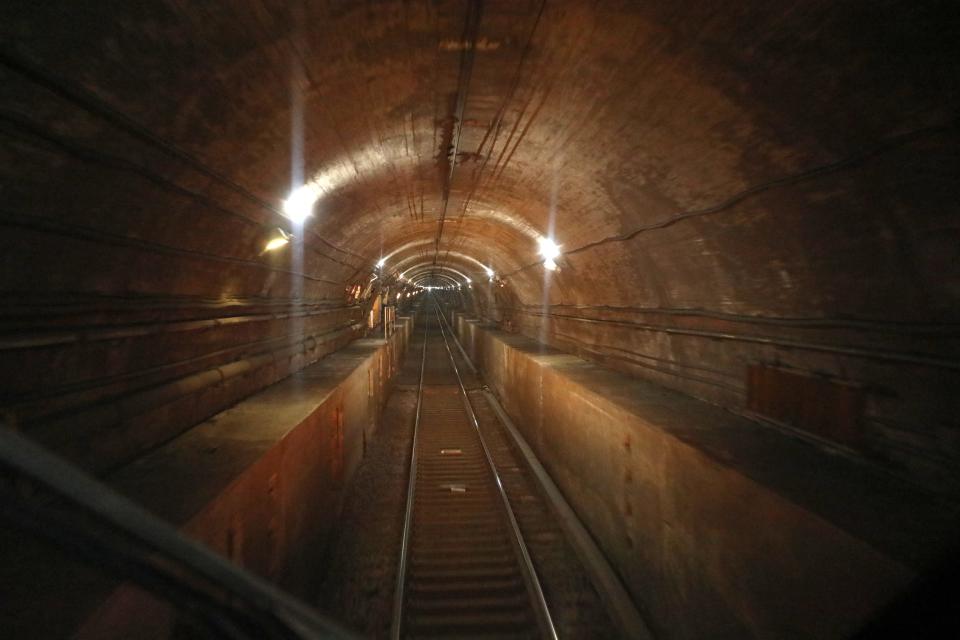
293, 290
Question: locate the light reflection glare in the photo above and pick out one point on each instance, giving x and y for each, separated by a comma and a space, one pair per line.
276, 243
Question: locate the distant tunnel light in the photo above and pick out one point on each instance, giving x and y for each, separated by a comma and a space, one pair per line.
550, 250
490, 272
381, 262
299, 205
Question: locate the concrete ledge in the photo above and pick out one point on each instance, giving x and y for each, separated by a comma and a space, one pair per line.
105, 433
260, 483
719, 527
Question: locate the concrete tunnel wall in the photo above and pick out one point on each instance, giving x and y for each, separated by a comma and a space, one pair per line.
261, 483
750, 201
702, 511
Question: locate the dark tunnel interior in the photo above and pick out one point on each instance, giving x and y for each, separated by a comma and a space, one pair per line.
690, 271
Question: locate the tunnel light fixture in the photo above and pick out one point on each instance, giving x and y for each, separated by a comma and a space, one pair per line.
381, 262
550, 251
280, 238
299, 204
276, 243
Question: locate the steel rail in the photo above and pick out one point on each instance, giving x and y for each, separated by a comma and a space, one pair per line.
618, 602
541, 608
398, 594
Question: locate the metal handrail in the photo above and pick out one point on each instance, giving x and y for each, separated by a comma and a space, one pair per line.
540, 602
159, 555
398, 594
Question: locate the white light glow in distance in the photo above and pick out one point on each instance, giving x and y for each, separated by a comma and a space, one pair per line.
299, 205
550, 251
381, 262
490, 273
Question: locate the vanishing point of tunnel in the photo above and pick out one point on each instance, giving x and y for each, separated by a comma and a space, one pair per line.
479, 319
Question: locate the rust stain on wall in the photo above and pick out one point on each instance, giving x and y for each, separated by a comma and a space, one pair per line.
824, 407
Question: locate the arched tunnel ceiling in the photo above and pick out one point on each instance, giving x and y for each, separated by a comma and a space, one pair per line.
694, 156
756, 204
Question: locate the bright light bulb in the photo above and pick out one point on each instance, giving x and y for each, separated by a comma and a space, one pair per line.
381, 262
299, 205
549, 264
549, 250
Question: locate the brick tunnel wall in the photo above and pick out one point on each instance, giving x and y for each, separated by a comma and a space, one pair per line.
102, 387
791, 203
261, 483
857, 292
905, 418
158, 309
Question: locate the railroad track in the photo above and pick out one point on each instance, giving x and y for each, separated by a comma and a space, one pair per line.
465, 570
